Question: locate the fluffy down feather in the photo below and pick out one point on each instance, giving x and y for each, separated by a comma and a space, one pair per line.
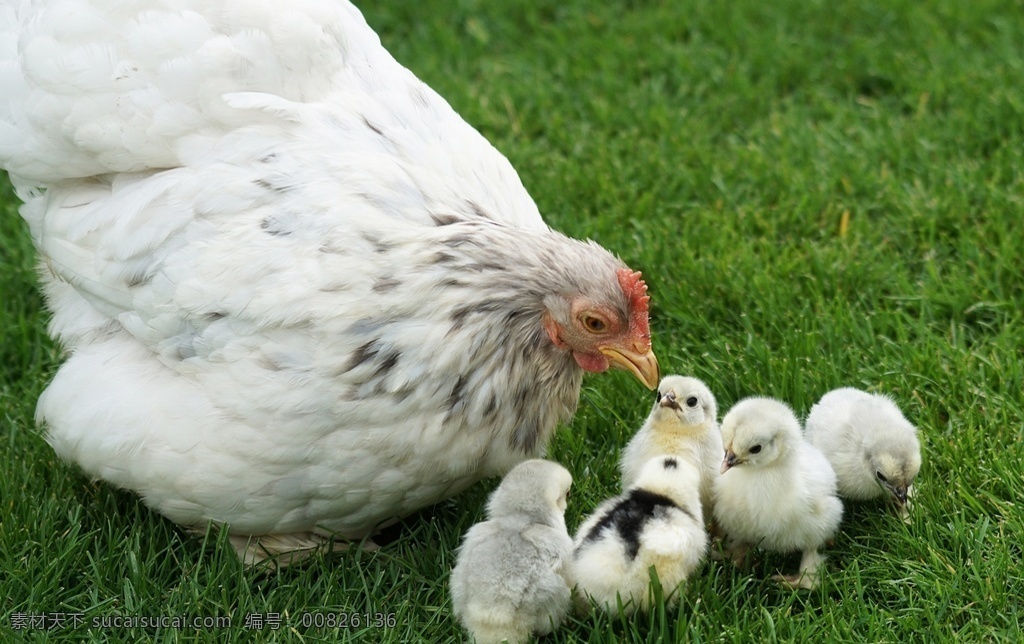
509, 581
872, 447
776, 491
300, 295
655, 524
683, 422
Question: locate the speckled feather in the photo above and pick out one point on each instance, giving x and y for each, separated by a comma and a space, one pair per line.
298, 292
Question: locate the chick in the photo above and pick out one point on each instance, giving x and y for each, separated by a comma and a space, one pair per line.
684, 422
873, 448
776, 491
510, 578
657, 523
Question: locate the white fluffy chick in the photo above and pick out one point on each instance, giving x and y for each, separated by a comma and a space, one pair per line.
656, 523
873, 448
510, 578
776, 491
684, 422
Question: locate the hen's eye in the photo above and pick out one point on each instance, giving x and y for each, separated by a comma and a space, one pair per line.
691, 401
756, 449
881, 477
597, 325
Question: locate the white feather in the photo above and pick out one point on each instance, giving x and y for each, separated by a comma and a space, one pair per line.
872, 447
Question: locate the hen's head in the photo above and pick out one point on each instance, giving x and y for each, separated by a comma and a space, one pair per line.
605, 326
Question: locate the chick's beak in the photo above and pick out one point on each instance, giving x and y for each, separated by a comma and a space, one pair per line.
730, 460
669, 400
900, 492
642, 365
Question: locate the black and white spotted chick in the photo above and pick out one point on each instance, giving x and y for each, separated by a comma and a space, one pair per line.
656, 523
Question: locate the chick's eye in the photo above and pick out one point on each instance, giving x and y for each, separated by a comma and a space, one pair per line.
881, 477
594, 324
756, 449
657, 396
691, 401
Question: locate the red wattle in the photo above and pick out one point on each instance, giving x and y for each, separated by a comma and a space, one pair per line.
592, 362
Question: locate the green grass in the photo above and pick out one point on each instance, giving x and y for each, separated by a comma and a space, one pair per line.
717, 146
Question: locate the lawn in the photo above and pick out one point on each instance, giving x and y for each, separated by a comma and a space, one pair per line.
819, 194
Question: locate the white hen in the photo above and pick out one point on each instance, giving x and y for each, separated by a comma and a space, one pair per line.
776, 491
511, 577
301, 296
873, 448
655, 524
683, 422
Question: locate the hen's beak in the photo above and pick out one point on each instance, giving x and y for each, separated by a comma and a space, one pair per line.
642, 365
730, 460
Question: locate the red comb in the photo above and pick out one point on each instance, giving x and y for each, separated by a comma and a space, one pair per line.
633, 286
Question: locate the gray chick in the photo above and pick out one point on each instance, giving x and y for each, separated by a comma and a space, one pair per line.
510, 579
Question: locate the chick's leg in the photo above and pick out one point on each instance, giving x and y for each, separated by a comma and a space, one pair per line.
738, 551
809, 574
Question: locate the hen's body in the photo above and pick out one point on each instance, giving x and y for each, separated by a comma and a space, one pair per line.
277, 426
299, 293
